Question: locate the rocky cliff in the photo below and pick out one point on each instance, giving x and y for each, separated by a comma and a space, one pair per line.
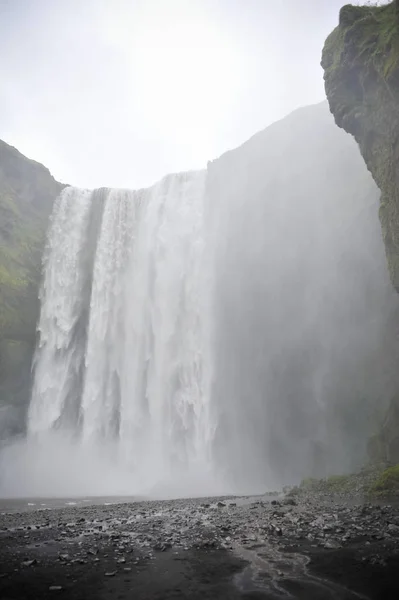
361, 71
27, 191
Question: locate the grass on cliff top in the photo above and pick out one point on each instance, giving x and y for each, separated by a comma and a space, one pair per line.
367, 34
377, 36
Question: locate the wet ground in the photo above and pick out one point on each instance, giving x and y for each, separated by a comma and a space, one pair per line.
258, 547
15, 505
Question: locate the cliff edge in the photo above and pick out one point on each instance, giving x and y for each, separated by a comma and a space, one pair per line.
361, 71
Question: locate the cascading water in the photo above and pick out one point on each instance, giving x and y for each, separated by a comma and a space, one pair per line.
120, 369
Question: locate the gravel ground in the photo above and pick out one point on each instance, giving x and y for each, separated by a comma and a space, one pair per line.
255, 547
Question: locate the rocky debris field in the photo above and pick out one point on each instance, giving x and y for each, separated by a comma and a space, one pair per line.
254, 547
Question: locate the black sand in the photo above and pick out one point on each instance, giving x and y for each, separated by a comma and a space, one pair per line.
227, 548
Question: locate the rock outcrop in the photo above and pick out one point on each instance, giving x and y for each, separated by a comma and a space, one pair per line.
383, 447
27, 192
361, 71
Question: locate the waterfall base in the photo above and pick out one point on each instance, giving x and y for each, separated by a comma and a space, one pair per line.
57, 465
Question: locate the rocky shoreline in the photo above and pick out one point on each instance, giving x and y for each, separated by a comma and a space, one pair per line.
254, 547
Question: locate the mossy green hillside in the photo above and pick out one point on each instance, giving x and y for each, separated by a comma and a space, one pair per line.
27, 193
21, 242
371, 482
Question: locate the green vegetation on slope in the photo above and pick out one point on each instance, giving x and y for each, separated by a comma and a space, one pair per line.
27, 192
387, 482
21, 242
370, 482
368, 35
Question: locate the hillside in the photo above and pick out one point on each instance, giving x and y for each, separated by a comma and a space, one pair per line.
27, 191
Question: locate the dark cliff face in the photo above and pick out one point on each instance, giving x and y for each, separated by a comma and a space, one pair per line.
361, 71
27, 192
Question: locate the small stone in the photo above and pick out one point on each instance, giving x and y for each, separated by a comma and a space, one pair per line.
160, 547
55, 588
110, 574
331, 545
289, 502
221, 504
64, 557
29, 563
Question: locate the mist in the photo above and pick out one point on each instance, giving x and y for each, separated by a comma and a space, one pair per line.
304, 344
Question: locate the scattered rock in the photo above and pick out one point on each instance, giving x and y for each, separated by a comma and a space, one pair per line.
332, 545
290, 501
29, 563
63, 557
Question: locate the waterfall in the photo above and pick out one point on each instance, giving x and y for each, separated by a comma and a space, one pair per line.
227, 331
121, 364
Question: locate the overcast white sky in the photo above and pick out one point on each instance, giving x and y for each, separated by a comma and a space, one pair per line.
121, 92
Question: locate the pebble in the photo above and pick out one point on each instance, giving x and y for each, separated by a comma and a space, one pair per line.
29, 563
185, 524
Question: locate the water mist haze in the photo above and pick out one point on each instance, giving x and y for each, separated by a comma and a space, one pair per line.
224, 331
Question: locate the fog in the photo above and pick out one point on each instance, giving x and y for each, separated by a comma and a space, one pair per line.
227, 331
304, 346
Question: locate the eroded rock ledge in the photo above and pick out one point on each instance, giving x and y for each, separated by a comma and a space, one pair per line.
361, 71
